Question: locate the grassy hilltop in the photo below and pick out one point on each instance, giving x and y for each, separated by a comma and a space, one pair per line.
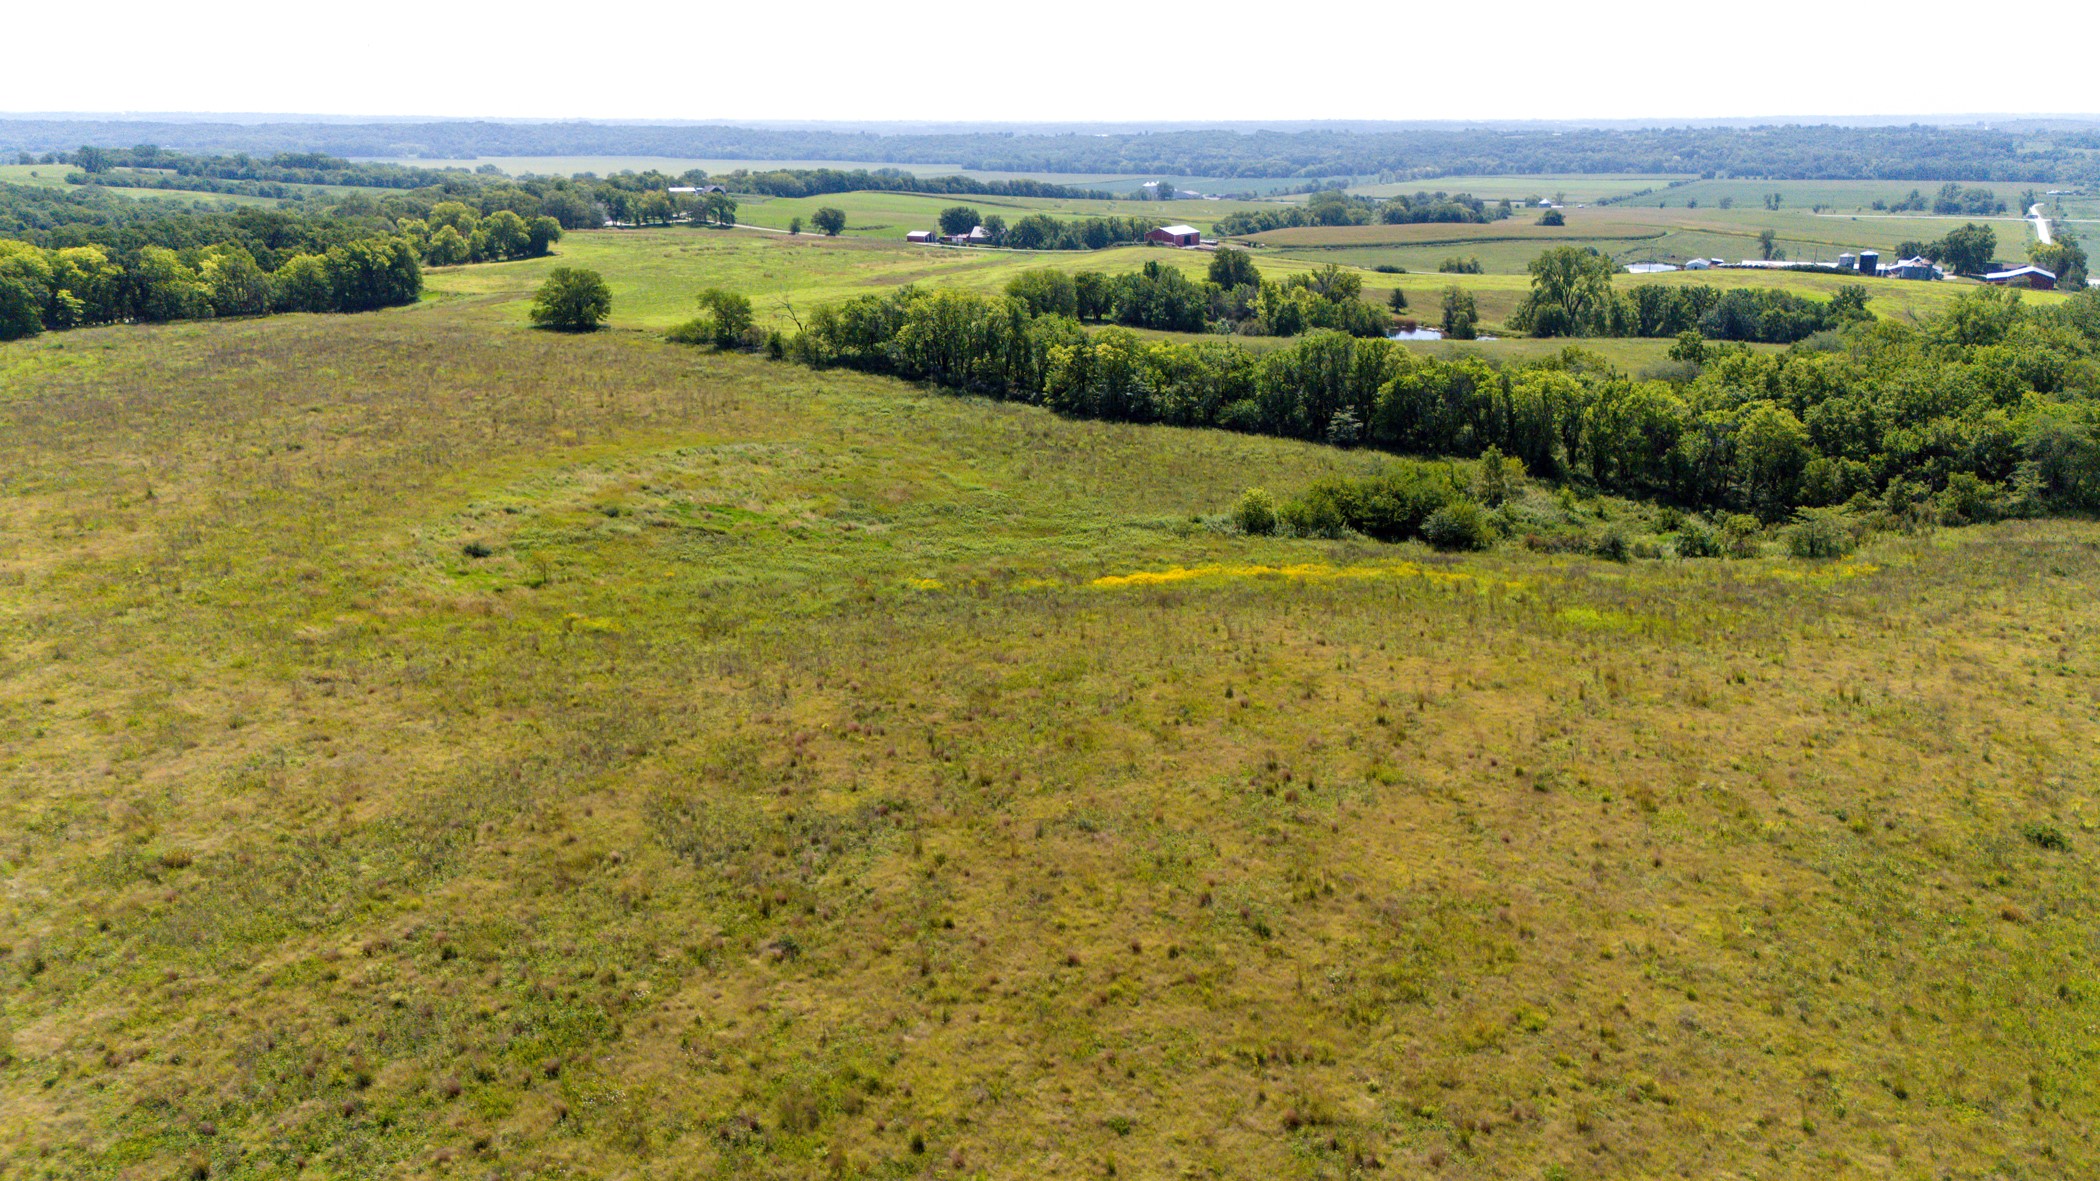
440, 749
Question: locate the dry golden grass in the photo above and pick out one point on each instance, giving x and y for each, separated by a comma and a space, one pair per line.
779, 793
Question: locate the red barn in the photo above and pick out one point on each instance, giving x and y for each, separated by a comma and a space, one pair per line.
2034, 278
1175, 236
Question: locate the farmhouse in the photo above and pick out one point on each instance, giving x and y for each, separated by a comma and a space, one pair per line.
1911, 268
2031, 277
1176, 236
927, 236
978, 236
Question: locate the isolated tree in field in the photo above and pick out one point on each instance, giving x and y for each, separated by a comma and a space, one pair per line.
572, 300
1397, 300
1767, 245
1234, 268
1552, 217
959, 219
794, 225
829, 221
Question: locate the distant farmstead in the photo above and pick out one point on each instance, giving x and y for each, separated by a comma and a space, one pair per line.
2034, 278
1176, 236
927, 236
697, 190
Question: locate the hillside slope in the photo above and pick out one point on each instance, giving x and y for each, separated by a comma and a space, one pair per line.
434, 748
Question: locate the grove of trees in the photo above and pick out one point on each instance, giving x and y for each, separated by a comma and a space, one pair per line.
1987, 408
49, 289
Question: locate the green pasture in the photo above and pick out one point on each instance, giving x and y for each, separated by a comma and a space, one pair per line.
1840, 195
54, 176
716, 166
892, 215
654, 275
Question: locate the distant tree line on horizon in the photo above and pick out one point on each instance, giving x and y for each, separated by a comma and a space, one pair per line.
1788, 151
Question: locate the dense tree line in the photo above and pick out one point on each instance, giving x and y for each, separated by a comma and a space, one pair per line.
1233, 297
1987, 408
49, 289
303, 168
1332, 208
1572, 294
1787, 151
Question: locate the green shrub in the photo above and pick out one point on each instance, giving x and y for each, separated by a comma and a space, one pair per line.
2045, 836
1613, 546
1818, 535
1460, 524
1697, 539
1741, 532
1255, 514
1316, 514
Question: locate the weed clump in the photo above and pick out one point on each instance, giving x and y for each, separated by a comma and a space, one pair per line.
2045, 836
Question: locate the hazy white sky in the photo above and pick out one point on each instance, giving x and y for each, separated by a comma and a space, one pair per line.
1077, 60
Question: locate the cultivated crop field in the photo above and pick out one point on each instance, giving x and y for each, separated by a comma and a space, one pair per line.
437, 748
1633, 233
889, 216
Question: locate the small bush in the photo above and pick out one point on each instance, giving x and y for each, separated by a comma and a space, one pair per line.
1741, 532
1697, 539
1613, 546
1459, 525
1313, 515
1255, 514
2045, 836
1819, 536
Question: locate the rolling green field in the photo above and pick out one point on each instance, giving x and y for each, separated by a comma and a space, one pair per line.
890, 216
1569, 187
654, 275
436, 748
607, 165
54, 176
1632, 233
